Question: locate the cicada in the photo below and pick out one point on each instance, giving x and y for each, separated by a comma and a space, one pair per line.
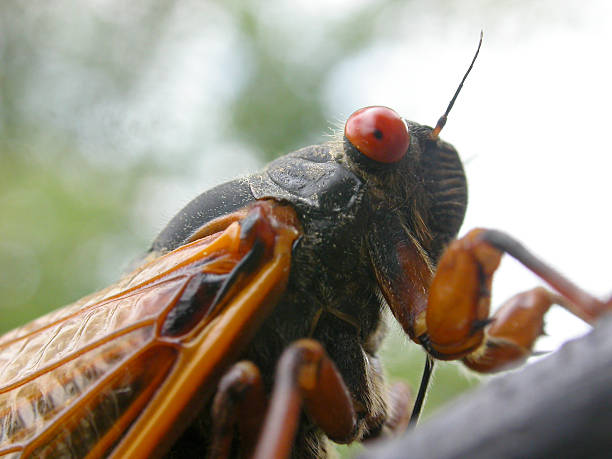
253, 325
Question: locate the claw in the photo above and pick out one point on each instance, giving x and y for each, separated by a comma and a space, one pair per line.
478, 325
510, 339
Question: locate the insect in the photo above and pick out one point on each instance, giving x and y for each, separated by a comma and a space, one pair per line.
253, 325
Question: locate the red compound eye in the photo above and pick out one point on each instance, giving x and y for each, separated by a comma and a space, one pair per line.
379, 133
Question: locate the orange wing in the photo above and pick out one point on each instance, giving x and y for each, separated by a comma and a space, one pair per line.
114, 372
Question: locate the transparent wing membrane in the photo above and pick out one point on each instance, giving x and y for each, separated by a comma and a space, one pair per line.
76, 381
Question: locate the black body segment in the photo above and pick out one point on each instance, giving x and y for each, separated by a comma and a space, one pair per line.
311, 179
220, 200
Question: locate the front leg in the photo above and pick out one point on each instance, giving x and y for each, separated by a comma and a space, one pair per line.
514, 328
457, 319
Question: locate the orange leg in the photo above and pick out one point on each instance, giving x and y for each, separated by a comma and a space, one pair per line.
581, 303
515, 327
457, 317
240, 402
306, 377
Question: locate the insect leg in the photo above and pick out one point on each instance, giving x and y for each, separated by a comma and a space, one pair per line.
458, 323
459, 298
306, 376
240, 402
516, 325
581, 304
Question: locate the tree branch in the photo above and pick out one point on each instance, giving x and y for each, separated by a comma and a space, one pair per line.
558, 407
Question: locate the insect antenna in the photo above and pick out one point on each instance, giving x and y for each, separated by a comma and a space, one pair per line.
418, 403
442, 121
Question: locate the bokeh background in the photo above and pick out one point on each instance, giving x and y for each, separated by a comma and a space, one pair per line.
114, 114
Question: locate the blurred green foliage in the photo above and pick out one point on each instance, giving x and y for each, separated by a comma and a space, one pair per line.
106, 108
60, 233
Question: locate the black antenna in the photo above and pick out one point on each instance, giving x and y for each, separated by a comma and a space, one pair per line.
442, 121
418, 404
